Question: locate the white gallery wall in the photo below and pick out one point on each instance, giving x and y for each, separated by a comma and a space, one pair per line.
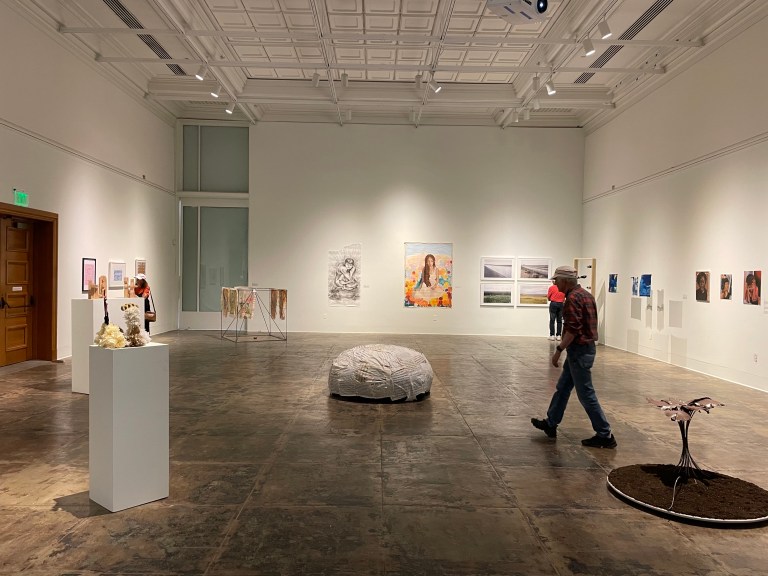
315, 188
689, 168
84, 149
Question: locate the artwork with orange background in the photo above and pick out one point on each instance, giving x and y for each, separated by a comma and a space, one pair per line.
428, 275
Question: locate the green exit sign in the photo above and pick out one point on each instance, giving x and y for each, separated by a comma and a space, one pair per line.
20, 198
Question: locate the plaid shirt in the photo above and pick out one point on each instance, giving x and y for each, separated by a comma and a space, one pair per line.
580, 315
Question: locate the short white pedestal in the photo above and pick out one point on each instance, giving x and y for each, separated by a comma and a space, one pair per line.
87, 317
128, 426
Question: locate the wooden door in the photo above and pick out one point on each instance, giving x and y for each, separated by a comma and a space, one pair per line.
16, 305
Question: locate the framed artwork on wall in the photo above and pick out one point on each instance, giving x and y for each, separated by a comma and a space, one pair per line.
428, 275
88, 275
752, 284
702, 286
497, 268
613, 283
534, 269
532, 293
497, 293
116, 275
645, 285
141, 266
726, 286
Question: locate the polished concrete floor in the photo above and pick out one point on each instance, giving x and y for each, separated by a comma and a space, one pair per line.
269, 475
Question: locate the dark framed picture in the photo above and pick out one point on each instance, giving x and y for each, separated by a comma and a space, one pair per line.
89, 273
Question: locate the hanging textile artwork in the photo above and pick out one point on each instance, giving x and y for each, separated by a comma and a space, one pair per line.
283, 303
245, 303
278, 303
232, 302
344, 276
225, 301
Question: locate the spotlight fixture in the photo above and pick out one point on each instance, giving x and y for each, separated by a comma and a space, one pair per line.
435, 86
345, 80
315, 79
605, 30
515, 116
201, 73
535, 84
216, 91
550, 88
419, 81
231, 108
536, 104
348, 115
589, 48
526, 114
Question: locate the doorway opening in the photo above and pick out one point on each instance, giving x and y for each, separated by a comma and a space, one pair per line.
28, 284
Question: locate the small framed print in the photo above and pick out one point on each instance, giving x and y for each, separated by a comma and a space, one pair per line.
88, 275
497, 293
116, 275
532, 293
141, 266
497, 268
534, 269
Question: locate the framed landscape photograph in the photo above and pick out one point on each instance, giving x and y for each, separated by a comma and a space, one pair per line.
532, 293
498, 267
116, 275
88, 275
534, 269
497, 294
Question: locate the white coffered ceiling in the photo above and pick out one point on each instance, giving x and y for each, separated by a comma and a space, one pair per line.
367, 55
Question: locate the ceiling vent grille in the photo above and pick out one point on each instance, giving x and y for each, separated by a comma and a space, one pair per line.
658, 7
133, 23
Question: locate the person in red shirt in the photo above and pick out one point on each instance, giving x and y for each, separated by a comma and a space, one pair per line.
579, 338
556, 300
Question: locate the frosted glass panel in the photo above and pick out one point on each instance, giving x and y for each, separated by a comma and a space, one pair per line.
223, 253
223, 159
189, 259
191, 150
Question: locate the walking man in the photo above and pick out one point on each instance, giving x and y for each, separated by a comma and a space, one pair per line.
579, 338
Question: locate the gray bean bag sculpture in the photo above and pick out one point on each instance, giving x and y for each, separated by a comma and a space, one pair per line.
380, 371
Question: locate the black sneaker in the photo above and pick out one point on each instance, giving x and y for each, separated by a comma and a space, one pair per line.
599, 442
550, 431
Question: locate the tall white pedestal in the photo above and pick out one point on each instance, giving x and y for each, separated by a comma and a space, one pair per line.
87, 317
128, 427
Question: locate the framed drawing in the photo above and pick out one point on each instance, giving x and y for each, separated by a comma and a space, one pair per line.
534, 269
532, 293
497, 268
497, 294
141, 266
88, 275
116, 275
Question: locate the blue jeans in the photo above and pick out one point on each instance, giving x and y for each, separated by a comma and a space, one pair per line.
577, 372
555, 313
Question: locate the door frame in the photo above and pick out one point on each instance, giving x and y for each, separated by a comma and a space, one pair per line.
45, 267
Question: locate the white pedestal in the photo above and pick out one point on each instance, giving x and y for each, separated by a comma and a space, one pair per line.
128, 426
87, 317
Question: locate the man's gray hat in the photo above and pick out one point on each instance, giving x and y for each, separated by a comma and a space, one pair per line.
565, 272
